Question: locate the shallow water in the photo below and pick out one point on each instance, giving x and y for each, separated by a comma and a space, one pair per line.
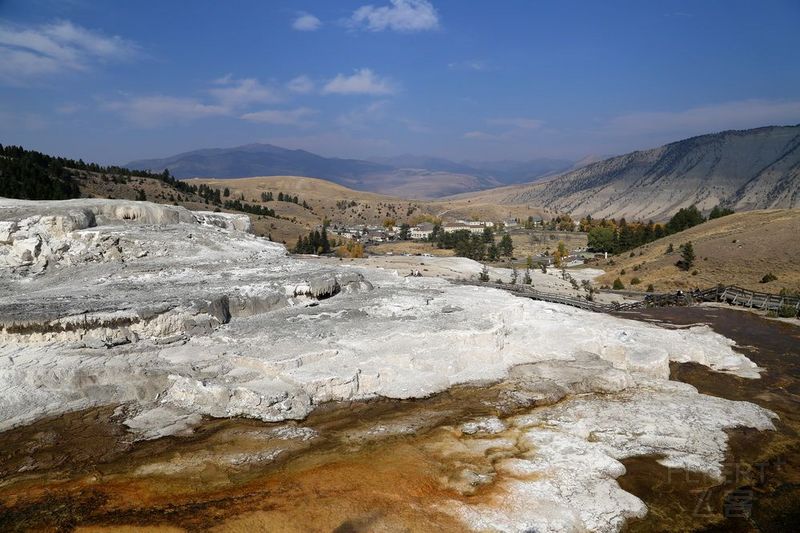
762, 469
385, 465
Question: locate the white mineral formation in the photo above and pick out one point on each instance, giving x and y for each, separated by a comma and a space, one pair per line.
178, 315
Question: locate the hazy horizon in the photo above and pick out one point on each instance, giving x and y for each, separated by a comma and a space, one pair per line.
359, 79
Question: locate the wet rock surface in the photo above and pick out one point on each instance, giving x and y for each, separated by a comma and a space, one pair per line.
177, 317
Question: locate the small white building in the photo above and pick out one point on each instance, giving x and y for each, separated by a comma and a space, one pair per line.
422, 231
452, 228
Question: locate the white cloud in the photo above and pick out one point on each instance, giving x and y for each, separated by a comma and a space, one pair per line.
306, 22
235, 93
150, 111
285, 117
30, 52
363, 81
401, 15
706, 119
228, 97
300, 84
518, 122
474, 64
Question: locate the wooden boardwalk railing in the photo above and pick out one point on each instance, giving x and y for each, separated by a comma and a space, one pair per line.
528, 292
731, 294
746, 298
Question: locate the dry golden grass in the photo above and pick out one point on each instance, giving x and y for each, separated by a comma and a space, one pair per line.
325, 199
533, 242
735, 250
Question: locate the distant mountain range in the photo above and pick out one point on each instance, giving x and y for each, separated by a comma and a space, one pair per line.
748, 169
744, 170
407, 176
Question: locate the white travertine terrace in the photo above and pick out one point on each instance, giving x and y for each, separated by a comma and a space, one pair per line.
180, 315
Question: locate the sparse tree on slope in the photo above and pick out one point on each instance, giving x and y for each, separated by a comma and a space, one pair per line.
687, 256
506, 245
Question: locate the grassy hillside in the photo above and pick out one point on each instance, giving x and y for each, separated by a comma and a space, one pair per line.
744, 170
343, 206
738, 249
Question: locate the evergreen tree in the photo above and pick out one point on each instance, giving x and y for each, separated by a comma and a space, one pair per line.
719, 211
493, 252
488, 236
326, 245
526, 279
506, 245
687, 256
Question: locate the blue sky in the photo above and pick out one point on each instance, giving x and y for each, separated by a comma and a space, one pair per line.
116, 81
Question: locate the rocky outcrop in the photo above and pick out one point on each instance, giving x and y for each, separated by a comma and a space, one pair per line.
35, 235
224, 220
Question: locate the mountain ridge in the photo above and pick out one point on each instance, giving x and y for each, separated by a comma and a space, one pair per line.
743, 169
424, 177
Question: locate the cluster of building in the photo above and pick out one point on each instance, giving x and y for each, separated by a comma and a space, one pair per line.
367, 233
423, 231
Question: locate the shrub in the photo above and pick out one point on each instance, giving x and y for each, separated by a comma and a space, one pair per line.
670, 248
787, 311
650, 288
694, 272
622, 272
618, 286
632, 254
769, 277
635, 281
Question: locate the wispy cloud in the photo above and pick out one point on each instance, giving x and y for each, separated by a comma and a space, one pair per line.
150, 111
517, 122
29, 52
482, 136
306, 22
68, 109
705, 119
283, 117
301, 85
363, 81
472, 64
401, 15
515, 128
233, 93
362, 117
228, 96
12, 122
